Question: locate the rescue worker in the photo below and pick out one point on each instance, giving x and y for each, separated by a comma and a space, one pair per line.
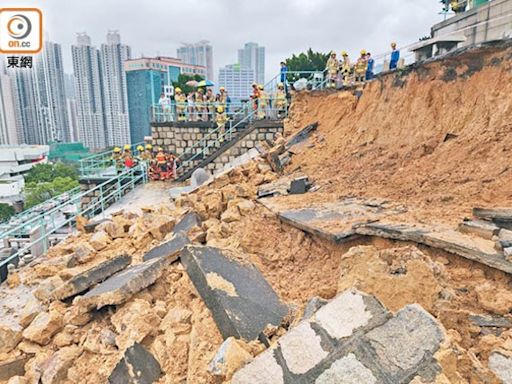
280, 101
200, 106
395, 56
181, 104
210, 104
262, 102
147, 155
255, 96
161, 160
127, 156
117, 159
360, 67
345, 68
332, 70
223, 97
221, 119
172, 161
140, 153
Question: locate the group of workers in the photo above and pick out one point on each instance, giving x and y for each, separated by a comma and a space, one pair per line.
161, 164
199, 105
360, 71
261, 100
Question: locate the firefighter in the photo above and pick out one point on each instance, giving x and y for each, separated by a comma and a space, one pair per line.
332, 70
210, 104
161, 160
117, 159
221, 119
127, 156
262, 102
255, 96
223, 97
280, 101
172, 162
360, 67
147, 155
181, 104
345, 68
200, 106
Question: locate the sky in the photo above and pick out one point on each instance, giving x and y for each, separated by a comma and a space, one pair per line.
283, 27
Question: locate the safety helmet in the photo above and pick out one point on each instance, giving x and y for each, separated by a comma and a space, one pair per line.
160, 148
140, 148
222, 89
393, 44
333, 53
178, 90
254, 85
363, 52
260, 87
280, 85
117, 149
127, 147
344, 53
220, 109
149, 146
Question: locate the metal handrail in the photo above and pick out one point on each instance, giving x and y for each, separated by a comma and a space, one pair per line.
91, 208
102, 160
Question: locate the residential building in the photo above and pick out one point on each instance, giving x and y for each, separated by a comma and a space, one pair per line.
200, 54
8, 122
89, 95
146, 79
69, 86
253, 56
113, 56
237, 80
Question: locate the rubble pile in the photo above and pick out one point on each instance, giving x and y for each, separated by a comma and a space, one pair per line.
239, 281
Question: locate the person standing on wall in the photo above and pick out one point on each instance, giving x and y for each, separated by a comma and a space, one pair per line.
370, 65
283, 75
395, 56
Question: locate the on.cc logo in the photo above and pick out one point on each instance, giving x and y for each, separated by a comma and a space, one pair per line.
19, 27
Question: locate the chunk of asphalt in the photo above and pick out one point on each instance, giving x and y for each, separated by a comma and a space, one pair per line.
81, 282
120, 287
240, 299
169, 248
137, 366
187, 222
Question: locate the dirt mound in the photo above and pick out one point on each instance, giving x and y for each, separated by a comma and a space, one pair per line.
436, 138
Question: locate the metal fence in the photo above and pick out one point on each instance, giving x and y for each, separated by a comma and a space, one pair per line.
95, 164
34, 236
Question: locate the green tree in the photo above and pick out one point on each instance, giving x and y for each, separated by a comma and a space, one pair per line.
48, 172
307, 61
182, 82
38, 192
6, 211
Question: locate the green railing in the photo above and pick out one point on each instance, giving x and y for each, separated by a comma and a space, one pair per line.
35, 232
96, 164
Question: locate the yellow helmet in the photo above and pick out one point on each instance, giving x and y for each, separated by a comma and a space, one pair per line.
127, 147
220, 109
178, 90
333, 53
363, 52
344, 53
393, 44
280, 85
160, 148
149, 146
222, 89
140, 148
260, 87
117, 149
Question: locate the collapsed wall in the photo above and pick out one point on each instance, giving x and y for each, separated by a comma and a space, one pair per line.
436, 136
121, 301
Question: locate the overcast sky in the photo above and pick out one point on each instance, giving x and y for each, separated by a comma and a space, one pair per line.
284, 27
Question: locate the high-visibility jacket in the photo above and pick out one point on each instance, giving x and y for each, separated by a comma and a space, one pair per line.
221, 119
263, 98
361, 65
161, 158
345, 65
280, 98
332, 65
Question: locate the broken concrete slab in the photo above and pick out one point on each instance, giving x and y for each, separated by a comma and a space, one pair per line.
13, 367
301, 135
279, 187
335, 221
299, 185
137, 366
501, 365
229, 358
312, 306
90, 227
120, 287
170, 248
476, 249
57, 366
482, 228
493, 213
10, 336
81, 282
240, 299
275, 163
493, 321
351, 339
187, 222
